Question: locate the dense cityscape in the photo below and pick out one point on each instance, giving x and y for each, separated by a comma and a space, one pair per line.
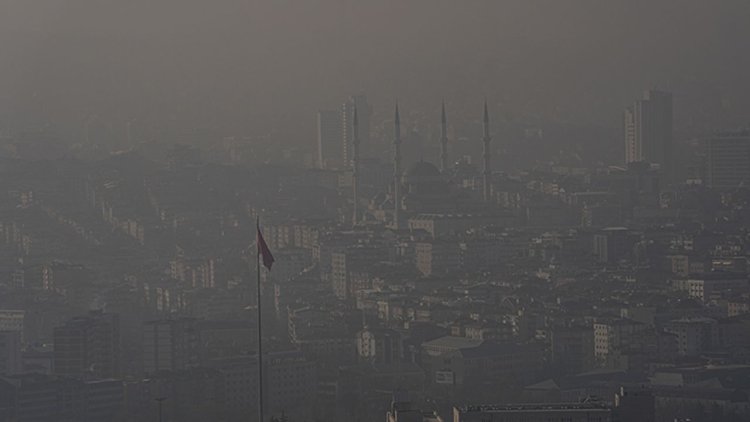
397, 260
621, 289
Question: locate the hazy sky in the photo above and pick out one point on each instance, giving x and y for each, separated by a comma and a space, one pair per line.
247, 66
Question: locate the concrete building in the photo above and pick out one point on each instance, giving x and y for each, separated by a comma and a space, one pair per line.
290, 384
728, 161
614, 336
10, 352
694, 335
450, 224
379, 345
88, 346
635, 404
329, 140
459, 361
46, 398
321, 335
12, 320
347, 266
195, 394
104, 399
713, 286
613, 244
240, 382
170, 345
530, 412
437, 257
648, 131
573, 348
405, 412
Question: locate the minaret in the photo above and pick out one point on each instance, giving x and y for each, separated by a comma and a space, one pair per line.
487, 171
397, 170
443, 141
355, 165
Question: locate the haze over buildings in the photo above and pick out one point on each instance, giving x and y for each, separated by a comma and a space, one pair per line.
354, 211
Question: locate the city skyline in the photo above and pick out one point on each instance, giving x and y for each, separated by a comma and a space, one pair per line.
333, 211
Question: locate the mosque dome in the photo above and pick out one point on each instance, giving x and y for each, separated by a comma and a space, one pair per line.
424, 178
423, 170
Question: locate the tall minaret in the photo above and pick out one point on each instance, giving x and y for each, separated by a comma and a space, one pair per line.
487, 172
397, 171
355, 165
443, 141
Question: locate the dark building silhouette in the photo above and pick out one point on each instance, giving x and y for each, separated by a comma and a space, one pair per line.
88, 346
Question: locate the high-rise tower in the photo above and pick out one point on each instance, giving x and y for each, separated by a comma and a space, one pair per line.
355, 165
329, 139
648, 131
487, 171
443, 141
397, 170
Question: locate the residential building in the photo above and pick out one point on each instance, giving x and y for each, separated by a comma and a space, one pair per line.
379, 345
694, 335
573, 348
88, 346
438, 257
613, 336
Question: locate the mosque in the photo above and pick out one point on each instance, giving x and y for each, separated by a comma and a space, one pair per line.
423, 188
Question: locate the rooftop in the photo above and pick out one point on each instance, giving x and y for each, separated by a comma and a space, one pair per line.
532, 407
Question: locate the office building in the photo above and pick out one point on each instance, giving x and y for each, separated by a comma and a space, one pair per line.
728, 161
10, 352
88, 346
329, 139
379, 345
290, 384
47, 398
648, 131
12, 320
170, 345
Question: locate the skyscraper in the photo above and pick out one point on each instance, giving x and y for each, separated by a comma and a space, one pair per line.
648, 131
486, 155
347, 125
329, 139
396, 169
355, 166
443, 140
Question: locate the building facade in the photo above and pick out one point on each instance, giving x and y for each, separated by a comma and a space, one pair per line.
648, 130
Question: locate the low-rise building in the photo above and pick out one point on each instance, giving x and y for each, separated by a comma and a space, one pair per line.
529, 412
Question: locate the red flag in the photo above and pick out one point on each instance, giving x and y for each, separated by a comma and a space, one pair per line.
264, 252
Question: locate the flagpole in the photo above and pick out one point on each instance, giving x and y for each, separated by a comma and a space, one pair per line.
260, 326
